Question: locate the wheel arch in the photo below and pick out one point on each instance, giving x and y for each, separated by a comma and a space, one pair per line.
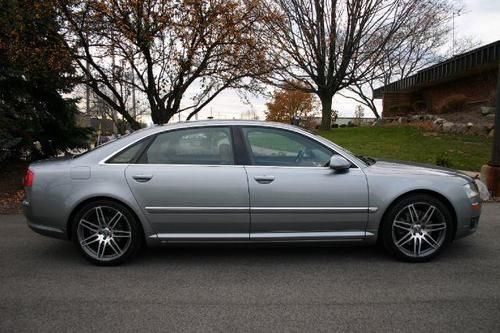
69, 222
438, 195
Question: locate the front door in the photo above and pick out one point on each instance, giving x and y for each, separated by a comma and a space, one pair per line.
189, 186
295, 195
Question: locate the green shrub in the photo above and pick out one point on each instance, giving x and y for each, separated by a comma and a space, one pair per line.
453, 103
403, 109
420, 105
443, 160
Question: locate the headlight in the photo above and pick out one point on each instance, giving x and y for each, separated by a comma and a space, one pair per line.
471, 190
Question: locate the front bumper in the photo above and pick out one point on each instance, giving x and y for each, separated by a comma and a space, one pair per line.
468, 223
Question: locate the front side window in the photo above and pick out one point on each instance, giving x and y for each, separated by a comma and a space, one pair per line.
209, 146
275, 147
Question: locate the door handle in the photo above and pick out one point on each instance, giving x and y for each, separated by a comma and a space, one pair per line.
142, 178
264, 179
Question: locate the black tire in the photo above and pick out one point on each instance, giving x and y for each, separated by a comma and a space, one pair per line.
434, 241
131, 237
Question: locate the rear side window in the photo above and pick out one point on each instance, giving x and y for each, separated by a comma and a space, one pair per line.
129, 154
206, 145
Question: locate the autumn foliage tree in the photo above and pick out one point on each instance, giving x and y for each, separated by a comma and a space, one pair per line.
180, 54
287, 104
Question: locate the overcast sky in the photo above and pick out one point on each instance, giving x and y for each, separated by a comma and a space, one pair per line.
481, 21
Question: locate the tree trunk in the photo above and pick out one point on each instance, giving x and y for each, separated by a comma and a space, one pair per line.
326, 112
375, 112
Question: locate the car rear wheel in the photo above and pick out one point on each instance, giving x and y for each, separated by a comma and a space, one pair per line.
106, 233
417, 228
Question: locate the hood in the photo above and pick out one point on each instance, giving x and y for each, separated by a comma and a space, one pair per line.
414, 168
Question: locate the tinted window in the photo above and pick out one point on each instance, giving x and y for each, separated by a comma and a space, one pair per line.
209, 145
129, 154
275, 147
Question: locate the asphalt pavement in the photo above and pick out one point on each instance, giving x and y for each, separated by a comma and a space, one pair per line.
46, 286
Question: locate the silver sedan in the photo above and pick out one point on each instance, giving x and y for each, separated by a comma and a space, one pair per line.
244, 182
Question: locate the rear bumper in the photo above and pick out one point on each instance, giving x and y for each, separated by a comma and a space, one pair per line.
40, 226
47, 231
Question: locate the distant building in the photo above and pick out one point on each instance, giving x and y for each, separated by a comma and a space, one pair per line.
104, 125
341, 121
469, 78
346, 120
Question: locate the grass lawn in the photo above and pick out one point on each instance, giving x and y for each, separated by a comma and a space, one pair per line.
462, 152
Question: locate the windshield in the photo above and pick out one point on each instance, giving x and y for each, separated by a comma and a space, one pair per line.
366, 160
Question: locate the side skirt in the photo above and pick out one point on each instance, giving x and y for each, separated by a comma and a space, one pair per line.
272, 237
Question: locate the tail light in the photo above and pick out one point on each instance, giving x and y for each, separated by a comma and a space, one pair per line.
29, 177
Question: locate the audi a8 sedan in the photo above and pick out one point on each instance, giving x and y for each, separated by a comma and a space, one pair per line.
244, 182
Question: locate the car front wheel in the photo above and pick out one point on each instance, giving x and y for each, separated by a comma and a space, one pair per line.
106, 233
417, 228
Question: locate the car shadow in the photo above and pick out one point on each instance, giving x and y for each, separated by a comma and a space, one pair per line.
228, 254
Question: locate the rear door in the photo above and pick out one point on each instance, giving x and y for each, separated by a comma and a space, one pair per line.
189, 187
295, 195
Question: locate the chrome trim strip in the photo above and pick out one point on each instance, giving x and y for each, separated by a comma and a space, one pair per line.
265, 235
310, 235
259, 210
201, 236
196, 210
324, 142
311, 210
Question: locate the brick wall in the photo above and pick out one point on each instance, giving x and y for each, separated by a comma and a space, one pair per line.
479, 89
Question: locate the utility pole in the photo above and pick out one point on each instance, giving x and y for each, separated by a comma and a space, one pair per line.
495, 154
490, 173
113, 66
87, 95
134, 110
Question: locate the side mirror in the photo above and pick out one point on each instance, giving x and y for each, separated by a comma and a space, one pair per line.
339, 163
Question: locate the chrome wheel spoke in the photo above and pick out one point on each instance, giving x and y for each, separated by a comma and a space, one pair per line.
405, 239
101, 248
114, 246
435, 227
431, 241
112, 223
402, 225
413, 213
428, 215
100, 217
417, 246
121, 234
90, 240
89, 225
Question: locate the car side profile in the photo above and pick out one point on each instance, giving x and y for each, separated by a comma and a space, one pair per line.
244, 182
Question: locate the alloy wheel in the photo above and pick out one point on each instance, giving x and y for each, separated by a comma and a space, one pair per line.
104, 233
419, 229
